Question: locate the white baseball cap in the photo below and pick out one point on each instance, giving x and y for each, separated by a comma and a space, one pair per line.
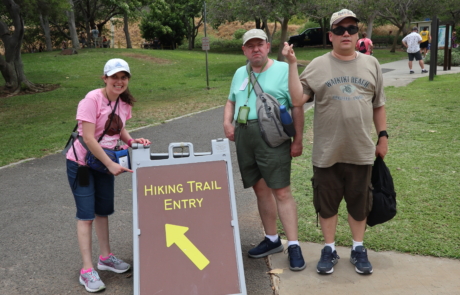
116, 65
254, 34
338, 16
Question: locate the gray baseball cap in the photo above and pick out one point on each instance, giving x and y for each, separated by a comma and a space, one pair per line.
338, 16
254, 34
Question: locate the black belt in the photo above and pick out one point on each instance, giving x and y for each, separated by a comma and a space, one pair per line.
248, 122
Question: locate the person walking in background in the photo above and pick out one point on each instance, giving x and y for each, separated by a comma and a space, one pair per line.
426, 40
103, 111
412, 43
267, 170
83, 39
365, 45
454, 39
347, 88
95, 36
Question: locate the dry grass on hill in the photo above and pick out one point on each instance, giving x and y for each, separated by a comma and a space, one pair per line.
224, 31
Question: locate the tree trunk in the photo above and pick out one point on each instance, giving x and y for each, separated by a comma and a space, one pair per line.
46, 29
189, 26
322, 24
258, 23
395, 40
72, 29
370, 24
283, 38
270, 34
11, 65
126, 30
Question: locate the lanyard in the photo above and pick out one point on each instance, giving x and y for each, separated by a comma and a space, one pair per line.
250, 82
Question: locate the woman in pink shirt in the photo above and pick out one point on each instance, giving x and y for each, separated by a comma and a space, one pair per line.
368, 45
101, 117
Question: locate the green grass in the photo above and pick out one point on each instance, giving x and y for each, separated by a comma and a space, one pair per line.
424, 160
166, 84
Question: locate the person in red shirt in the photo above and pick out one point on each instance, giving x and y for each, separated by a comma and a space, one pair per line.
367, 44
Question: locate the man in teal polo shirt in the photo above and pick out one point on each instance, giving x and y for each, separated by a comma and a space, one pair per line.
267, 170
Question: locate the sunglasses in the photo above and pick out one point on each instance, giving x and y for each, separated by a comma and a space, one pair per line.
341, 30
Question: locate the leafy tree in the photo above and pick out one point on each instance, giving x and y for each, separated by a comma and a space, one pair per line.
191, 9
165, 22
400, 13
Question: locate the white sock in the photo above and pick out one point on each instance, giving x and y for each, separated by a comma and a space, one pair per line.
290, 243
356, 244
332, 245
272, 238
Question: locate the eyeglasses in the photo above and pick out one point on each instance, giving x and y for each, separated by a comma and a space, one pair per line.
339, 31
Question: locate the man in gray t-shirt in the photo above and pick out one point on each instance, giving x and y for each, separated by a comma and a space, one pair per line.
412, 43
347, 87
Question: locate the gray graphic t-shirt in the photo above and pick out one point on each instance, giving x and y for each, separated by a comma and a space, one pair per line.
345, 92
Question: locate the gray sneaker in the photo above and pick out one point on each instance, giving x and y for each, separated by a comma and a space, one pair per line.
91, 281
114, 264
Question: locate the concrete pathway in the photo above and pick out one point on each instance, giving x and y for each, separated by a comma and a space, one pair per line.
394, 273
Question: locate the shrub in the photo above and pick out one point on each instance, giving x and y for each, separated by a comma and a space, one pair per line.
455, 60
390, 38
238, 34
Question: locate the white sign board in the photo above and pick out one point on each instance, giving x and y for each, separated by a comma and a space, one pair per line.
205, 43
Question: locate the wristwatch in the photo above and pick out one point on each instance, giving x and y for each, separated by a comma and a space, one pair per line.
383, 133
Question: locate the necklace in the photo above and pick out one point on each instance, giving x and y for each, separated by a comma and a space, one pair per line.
107, 96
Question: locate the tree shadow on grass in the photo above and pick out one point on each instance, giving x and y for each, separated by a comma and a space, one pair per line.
5, 92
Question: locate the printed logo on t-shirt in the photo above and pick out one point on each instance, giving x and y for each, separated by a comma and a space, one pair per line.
348, 85
111, 137
348, 88
347, 79
116, 124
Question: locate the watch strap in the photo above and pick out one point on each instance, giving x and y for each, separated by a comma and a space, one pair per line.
383, 133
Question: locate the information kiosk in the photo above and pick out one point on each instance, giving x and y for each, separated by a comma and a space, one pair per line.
185, 226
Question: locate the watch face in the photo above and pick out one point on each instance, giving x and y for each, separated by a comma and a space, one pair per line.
383, 133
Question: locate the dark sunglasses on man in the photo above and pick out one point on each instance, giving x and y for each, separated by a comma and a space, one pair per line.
339, 31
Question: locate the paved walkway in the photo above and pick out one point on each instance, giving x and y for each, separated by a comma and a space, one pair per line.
394, 273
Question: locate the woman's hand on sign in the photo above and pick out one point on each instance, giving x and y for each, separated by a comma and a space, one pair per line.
142, 141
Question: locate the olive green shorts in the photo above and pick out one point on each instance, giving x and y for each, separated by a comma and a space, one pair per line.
257, 160
349, 181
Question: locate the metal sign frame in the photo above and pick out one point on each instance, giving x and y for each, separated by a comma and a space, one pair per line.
142, 157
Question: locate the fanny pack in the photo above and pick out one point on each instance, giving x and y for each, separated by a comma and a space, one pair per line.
118, 156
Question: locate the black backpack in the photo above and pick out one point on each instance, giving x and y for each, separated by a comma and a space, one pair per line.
384, 195
362, 47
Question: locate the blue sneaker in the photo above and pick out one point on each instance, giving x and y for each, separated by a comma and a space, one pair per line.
327, 261
295, 257
359, 259
265, 248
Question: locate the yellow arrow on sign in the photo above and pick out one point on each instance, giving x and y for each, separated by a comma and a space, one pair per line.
175, 234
